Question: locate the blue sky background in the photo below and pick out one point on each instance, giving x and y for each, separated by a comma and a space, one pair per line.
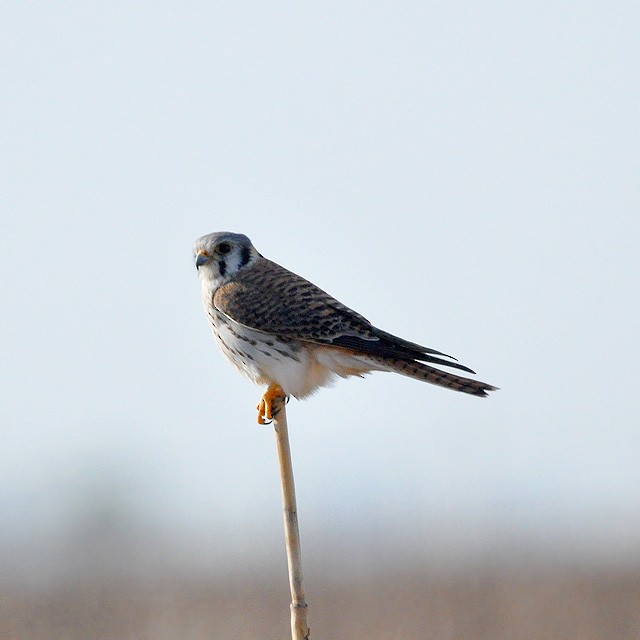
466, 176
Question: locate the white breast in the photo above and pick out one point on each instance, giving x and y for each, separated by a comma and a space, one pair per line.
264, 358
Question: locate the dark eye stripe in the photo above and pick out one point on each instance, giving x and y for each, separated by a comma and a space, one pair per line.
222, 266
245, 256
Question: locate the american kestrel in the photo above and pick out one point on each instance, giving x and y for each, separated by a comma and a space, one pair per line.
282, 331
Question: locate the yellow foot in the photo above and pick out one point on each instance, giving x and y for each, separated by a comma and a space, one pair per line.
265, 406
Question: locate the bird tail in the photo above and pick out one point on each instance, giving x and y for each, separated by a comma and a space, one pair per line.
424, 372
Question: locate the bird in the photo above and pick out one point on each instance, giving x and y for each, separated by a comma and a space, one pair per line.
282, 331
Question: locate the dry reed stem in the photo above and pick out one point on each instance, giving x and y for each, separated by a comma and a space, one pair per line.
299, 626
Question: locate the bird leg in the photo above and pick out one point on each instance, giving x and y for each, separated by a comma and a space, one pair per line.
266, 408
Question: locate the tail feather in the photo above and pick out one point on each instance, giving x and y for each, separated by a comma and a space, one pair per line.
424, 372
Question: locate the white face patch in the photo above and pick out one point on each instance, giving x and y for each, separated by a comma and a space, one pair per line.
228, 254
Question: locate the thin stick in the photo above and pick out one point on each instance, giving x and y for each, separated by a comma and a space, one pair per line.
299, 627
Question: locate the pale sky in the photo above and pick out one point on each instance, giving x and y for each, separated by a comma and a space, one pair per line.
465, 175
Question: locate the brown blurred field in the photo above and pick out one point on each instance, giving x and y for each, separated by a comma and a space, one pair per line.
477, 605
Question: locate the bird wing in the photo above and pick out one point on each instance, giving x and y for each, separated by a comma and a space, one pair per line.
269, 298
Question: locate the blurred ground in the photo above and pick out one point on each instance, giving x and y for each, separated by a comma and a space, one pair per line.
110, 575
487, 604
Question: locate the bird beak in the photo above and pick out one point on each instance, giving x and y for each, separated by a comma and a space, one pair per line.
201, 258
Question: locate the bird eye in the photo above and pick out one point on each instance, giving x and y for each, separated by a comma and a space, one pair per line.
225, 247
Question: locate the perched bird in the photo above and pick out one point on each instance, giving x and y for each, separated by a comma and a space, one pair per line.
282, 331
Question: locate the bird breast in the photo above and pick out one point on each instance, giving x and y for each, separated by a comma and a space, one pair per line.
262, 357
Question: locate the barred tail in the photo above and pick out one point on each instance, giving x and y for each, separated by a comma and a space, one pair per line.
424, 372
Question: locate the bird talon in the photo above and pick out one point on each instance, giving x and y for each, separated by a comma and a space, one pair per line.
266, 409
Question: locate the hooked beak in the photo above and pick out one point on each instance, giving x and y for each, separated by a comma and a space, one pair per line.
201, 258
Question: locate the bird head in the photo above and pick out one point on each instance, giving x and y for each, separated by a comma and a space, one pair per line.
219, 256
